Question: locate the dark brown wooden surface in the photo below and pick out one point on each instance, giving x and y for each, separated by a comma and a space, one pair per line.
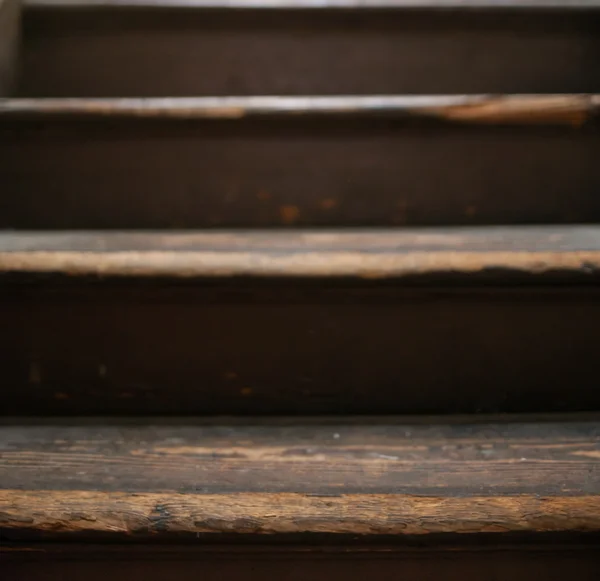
192, 51
9, 44
387, 478
246, 348
129, 172
322, 458
518, 563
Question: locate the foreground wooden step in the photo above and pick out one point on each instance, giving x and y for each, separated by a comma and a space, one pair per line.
117, 481
163, 48
262, 162
438, 321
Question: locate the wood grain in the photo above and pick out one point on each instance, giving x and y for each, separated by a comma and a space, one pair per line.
329, 458
386, 479
52, 514
363, 254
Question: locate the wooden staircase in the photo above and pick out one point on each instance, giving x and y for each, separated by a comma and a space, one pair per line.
296, 289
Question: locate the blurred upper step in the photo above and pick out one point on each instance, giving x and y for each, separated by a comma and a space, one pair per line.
293, 161
163, 48
526, 252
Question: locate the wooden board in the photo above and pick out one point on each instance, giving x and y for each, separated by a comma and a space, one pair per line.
466, 253
159, 48
9, 44
127, 169
387, 478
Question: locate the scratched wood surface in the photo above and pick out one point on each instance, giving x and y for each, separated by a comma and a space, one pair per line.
334, 170
163, 49
376, 479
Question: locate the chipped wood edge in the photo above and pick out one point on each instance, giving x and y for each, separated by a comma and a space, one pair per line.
573, 110
56, 513
187, 264
10, 25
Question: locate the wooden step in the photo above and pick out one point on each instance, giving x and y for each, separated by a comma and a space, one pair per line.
184, 479
263, 162
397, 321
157, 48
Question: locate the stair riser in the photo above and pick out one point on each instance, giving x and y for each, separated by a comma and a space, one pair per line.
313, 349
170, 52
157, 173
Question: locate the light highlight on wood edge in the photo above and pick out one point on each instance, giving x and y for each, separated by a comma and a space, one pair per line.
186, 264
60, 512
321, 4
558, 109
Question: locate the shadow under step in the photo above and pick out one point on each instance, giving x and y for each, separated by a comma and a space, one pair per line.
391, 321
316, 161
160, 562
160, 48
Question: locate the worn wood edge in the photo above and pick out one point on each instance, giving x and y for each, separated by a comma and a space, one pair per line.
303, 253
322, 4
573, 110
317, 264
57, 513
10, 32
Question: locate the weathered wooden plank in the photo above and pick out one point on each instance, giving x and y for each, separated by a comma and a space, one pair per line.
574, 110
130, 481
52, 514
364, 254
331, 457
10, 28
72, 562
161, 49
292, 170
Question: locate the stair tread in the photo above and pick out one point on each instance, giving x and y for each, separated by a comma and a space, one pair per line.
385, 476
562, 109
385, 253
